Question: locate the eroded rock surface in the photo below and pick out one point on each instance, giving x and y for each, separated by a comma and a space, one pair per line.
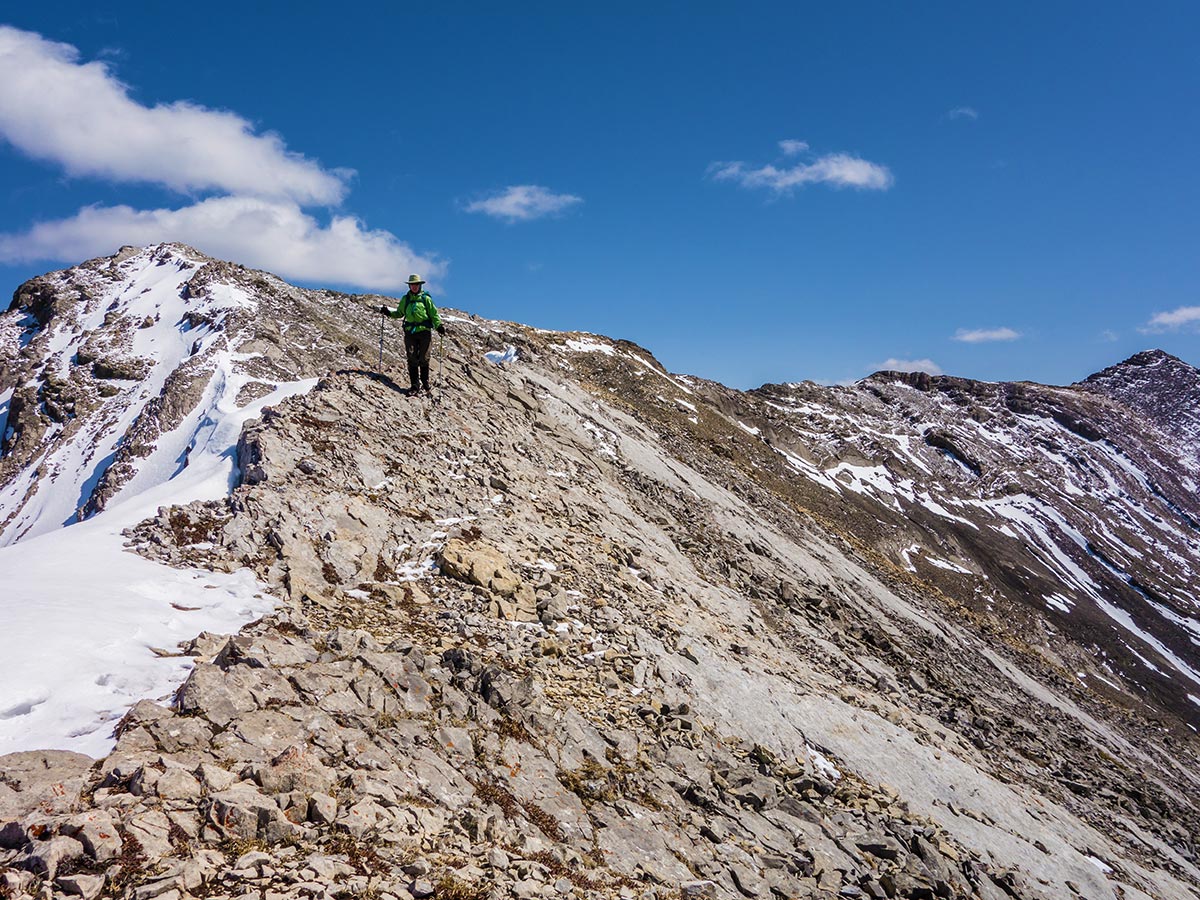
582, 628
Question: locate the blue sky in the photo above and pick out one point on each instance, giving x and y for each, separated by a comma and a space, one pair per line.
766, 192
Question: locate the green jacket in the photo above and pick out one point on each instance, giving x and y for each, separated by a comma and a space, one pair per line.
417, 311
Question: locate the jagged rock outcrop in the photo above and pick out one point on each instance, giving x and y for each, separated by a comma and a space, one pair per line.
585, 628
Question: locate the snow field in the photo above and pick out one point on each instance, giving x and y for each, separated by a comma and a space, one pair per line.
86, 628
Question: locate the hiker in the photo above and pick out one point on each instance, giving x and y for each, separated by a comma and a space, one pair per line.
421, 319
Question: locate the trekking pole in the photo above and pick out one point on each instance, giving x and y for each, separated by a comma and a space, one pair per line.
441, 353
381, 321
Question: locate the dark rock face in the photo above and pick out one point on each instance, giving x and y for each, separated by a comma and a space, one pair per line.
1159, 386
585, 628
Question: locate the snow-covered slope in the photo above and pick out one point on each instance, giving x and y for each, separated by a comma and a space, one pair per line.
115, 372
125, 389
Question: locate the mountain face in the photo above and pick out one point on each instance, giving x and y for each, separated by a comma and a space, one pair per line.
578, 626
1160, 387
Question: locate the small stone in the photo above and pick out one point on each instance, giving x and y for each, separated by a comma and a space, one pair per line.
421, 888
254, 859
86, 886
417, 868
322, 809
747, 880
881, 845
163, 888
176, 784
44, 857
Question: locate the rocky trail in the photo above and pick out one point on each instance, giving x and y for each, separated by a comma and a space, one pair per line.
555, 635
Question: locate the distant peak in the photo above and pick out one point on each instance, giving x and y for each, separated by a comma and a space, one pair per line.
1146, 359
1150, 358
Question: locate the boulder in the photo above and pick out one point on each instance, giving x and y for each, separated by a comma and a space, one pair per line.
48, 781
479, 564
245, 812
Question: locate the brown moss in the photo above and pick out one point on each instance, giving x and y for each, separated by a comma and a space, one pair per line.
130, 869
450, 888
591, 782
330, 573
545, 822
363, 857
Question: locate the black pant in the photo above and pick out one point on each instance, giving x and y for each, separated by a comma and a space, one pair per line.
416, 348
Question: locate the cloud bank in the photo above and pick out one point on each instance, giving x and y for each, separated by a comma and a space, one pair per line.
522, 202
911, 365
1176, 319
963, 112
840, 170
264, 234
79, 116
985, 335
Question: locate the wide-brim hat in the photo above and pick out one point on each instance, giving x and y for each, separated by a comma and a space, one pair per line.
415, 279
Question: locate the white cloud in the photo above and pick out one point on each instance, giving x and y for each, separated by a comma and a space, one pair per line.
268, 234
79, 116
1108, 335
836, 169
985, 335
963, 112
1174, 320
911, 365
522, 202
54, 108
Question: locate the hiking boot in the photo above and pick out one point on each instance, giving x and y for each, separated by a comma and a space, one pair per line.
426, 389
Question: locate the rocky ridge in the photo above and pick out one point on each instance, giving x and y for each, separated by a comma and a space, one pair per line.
584, 628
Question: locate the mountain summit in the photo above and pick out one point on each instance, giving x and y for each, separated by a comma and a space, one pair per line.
576, 626
1161, 387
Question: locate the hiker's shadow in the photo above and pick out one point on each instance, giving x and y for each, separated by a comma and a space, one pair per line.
385, 380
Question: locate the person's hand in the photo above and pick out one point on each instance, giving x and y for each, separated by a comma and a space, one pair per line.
441, 329
383, 310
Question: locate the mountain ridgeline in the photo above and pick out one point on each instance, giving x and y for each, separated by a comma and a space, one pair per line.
581, 627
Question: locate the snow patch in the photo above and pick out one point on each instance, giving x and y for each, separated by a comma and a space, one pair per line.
500, 357
590, 347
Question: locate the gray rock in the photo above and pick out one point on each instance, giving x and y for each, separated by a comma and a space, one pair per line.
214, 778
243, 811
757, 793
152, 830
882, 845
178, 733
81, 885
747, 880
160, 887
322, 809
254, 859
97, 831
216, 694
479, 564
44, 780
361, 817
45, 857
177, 784
295, 769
